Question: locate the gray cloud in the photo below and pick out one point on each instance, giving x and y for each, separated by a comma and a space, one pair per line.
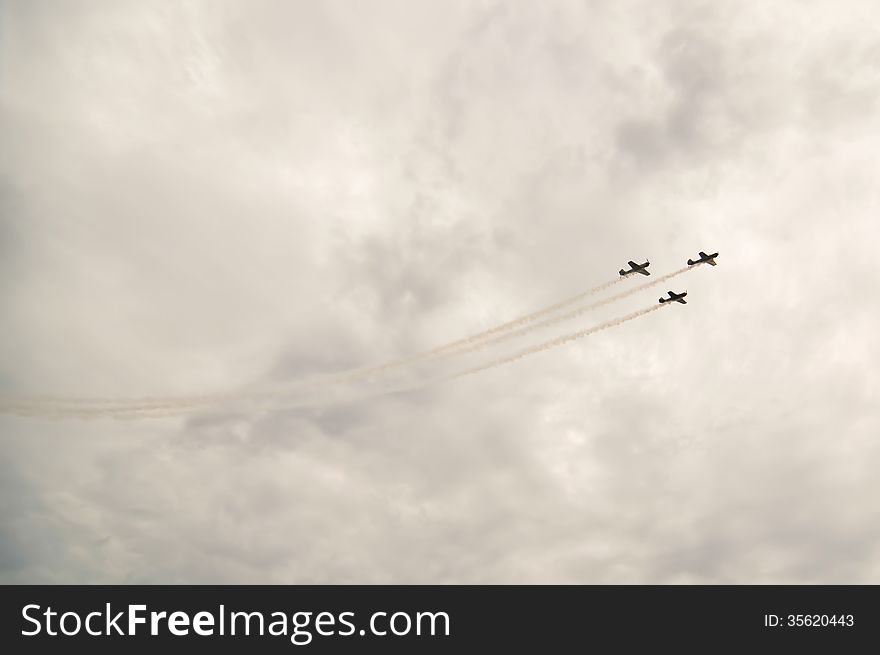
198, 198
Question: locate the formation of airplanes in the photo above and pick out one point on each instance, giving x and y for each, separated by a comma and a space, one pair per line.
673, 296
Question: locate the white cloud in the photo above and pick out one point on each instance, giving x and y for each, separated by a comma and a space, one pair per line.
199, 196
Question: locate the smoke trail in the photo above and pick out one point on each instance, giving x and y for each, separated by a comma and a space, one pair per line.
133, 413
72, 403
564, 317
73, 407
553, 343
464, 344
522, 320
268, 402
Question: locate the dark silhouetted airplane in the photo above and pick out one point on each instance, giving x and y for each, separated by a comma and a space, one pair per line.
704, 259
636, 268
677, 297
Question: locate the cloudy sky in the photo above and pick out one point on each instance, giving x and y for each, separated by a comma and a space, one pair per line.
200, 197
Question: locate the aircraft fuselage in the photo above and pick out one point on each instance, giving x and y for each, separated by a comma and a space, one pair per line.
677, 297
636, 268
704, 259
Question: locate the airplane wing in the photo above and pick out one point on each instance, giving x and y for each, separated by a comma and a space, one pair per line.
643, 271
703, 255
632, 264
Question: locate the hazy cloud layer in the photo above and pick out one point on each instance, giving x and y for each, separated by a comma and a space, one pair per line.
200, 196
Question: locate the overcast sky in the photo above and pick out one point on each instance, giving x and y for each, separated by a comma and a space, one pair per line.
198, 197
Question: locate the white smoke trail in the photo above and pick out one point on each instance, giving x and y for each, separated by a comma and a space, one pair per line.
522, 320
73, 407
88, 405
284, 400
553, 343
580, 311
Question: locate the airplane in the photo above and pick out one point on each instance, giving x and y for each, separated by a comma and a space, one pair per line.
678, 297
636, 268
704, 259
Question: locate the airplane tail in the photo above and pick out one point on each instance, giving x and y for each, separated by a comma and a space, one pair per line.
691, 262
